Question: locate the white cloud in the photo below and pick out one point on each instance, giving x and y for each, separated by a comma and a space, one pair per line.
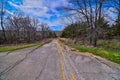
40, 8
34, 7
109, 15
9, 12
12, 4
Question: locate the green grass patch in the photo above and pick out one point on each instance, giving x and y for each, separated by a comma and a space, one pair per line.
110, 44
16, 47
108, 54
21, 46
112, 55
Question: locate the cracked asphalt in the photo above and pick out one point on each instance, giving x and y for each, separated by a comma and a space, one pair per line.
53, 61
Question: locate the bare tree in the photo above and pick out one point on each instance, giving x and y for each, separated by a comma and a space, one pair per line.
45, 30
116, 6
91, 11
22, 27
2, 13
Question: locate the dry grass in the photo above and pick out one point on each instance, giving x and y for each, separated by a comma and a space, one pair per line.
21, 46
109, 54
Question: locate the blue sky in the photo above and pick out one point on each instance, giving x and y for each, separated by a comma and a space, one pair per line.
47, 11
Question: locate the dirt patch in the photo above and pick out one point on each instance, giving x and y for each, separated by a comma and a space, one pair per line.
100, 59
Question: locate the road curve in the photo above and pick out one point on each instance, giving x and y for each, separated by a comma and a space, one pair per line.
53, 62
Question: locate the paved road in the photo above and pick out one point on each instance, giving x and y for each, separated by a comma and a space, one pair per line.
53, 62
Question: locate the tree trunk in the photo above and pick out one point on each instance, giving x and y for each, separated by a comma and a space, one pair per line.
94, 41
3, 29
2, 26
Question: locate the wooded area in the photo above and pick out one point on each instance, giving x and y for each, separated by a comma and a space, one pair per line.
22, 29
89, 21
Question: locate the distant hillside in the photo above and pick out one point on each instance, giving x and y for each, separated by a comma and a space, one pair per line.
58, 33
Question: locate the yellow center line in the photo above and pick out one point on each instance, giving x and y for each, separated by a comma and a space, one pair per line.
64, 55
61, 65
73, 76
